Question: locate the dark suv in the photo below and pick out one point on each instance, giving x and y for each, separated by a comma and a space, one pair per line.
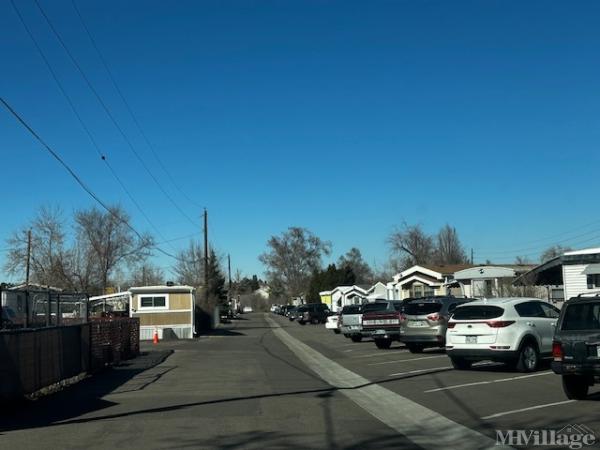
313, 313
576, 345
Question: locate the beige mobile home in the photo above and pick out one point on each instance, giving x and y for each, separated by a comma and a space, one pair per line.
167, 309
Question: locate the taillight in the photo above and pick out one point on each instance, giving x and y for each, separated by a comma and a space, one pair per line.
451, 324
435, 317
402, 317
499, 323
557, 351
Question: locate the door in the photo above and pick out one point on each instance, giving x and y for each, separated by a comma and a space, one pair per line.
537, 323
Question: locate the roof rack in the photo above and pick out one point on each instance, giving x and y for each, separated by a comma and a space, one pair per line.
589, 294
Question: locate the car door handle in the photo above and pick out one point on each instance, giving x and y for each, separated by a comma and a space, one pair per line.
531, 324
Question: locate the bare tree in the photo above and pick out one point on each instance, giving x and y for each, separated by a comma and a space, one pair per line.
522, 260
412, 246
146, 274
292, 258
189, 267
353, 259
111, 242
553, 252
49, 257
449, 250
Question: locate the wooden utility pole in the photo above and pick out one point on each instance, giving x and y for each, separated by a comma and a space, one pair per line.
229, 272
472, 256
28, 258
206, 256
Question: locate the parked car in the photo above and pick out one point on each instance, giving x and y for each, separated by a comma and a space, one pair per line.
292, 313
313, 313
576, 345
516, 331
383, 324
351, 319
333, 323
350, 322
425, 321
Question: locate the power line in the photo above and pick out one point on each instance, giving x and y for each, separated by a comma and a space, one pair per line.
109, 114
76, 177
128, 107
82, 123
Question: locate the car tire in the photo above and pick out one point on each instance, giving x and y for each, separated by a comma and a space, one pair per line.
575, 387
302, 322
461, 364
356, 338
415, 348
529, 358
383, 344
336, 331
314, 321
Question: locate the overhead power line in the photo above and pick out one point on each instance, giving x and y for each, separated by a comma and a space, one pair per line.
129, 109
83, 125
109, 113
76, 177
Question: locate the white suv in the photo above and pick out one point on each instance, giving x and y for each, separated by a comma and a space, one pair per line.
516, 331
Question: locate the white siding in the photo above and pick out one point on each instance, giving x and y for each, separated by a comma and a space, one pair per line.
575, 280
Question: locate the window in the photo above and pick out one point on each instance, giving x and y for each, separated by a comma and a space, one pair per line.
150, 302
530, 309
477, 312
593, 281
420, 290
422, 309
582, 316
550, 311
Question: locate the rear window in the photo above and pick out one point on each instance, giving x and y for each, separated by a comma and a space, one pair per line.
477, 312
422, 308
373, 307
351, 309
584, 316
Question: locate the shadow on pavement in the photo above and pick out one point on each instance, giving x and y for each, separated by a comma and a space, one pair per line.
84, 397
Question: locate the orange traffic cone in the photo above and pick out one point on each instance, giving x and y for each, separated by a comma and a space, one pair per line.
155, 337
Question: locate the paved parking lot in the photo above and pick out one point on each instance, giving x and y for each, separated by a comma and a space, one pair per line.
488, 397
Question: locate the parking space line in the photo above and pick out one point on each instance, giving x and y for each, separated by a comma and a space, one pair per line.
431, 369
406, 360
478, 383
531, 408
380, 353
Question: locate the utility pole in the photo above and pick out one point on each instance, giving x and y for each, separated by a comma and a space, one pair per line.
28, 258
206, 256
471, 256
229, 272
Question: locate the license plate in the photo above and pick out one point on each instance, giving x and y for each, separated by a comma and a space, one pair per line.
417, 323
471, 340
379, 332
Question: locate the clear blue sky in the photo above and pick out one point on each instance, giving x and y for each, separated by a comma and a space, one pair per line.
344, 117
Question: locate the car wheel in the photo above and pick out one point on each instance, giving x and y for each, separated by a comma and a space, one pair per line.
336, 331
356, 338
415, 348
461, 364
529, 358
314, 321
302, 322
383, 344
575, 387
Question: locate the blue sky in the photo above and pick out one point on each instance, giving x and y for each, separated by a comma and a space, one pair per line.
347, 118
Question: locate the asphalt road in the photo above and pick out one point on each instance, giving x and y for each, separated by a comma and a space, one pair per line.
265, 382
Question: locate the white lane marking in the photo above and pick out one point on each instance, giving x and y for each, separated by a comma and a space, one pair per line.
380, 353
478, 383
406, 360
431, 369
421, 425
531, 408
350, 350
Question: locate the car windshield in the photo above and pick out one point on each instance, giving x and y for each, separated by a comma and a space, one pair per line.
302, 309
582, 316
477, 312
373, 307
422, 308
